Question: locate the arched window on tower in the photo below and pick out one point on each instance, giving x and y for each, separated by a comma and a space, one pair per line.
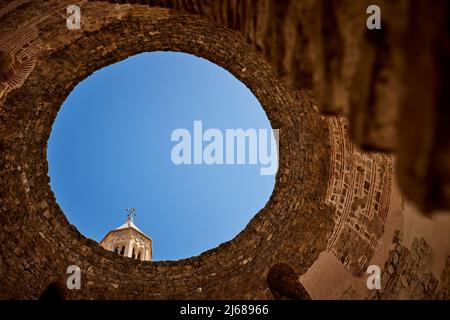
116, 250
122, 251
133, 255
139, 256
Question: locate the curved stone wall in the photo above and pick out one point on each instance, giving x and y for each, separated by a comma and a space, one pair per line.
38, 242
330, 199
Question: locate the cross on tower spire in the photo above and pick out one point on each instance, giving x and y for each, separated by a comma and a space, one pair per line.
131, 213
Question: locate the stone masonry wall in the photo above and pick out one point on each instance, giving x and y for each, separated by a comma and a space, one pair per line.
329, 196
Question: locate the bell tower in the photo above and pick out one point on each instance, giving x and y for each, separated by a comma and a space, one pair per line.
128, 240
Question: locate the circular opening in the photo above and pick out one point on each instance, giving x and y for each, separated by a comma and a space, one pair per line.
121, 140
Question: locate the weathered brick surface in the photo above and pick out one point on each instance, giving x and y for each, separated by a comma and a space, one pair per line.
359, 189
407, 273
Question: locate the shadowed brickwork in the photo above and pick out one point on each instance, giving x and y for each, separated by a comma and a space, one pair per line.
283, 282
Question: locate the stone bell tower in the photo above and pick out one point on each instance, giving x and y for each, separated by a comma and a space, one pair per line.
128, 240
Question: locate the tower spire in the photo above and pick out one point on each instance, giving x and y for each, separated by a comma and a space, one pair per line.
127, 240
131, 214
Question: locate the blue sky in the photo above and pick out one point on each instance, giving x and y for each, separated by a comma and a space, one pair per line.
110, 149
